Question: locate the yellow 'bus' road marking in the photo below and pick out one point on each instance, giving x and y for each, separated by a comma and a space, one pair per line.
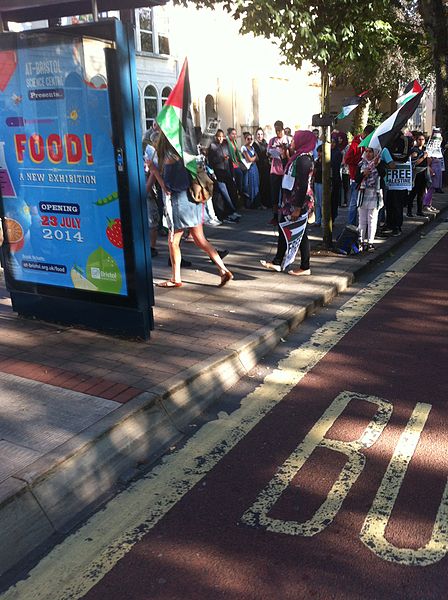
73, 567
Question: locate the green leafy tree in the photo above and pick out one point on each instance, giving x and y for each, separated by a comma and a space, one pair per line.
331, 34
434, 15
394, 64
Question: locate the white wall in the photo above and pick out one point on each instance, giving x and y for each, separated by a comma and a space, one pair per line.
225, 64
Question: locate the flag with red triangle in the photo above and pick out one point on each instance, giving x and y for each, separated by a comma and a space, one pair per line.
176, 122
412, 89
350, 105
389, 128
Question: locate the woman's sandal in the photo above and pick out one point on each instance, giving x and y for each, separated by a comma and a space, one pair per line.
270, 266
169, 283
225, 278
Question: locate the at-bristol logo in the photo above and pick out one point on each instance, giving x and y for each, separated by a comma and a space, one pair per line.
372, 533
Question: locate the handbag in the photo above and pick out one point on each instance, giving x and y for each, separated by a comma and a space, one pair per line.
311, 215
201, 188
288, 179
243, 165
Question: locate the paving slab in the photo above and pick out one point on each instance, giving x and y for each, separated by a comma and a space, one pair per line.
79, 409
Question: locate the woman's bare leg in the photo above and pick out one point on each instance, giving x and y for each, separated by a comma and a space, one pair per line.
175, 254
202, 242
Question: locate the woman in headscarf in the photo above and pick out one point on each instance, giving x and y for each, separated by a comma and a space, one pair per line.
297, 201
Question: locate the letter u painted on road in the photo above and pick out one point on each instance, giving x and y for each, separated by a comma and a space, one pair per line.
373, 530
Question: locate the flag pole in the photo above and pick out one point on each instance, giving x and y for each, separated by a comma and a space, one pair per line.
326, 160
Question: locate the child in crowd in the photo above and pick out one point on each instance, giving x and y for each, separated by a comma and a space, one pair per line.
370, 198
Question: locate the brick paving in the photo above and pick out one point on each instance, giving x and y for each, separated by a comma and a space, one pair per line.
191, 324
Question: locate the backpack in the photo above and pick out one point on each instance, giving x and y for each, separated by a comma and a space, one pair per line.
201, 188
348, 240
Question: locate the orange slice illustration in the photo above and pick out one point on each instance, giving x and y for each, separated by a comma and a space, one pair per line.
14, 234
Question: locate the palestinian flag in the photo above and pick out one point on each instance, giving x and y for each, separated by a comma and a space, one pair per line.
350, 105
176, 122
409, 92
293, 232
386, 132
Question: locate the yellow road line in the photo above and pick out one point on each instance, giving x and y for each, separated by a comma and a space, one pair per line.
73, 567
373, 532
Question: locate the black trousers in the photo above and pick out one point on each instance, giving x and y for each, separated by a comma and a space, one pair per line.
346, 189
335, 198
265, 184
276, 188
225, 176
418, 190
396, 200
304, 249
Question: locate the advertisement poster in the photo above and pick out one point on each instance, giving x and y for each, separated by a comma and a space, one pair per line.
400, 178
57, 166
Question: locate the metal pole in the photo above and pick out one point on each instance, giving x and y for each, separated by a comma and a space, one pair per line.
326, 161
95, 10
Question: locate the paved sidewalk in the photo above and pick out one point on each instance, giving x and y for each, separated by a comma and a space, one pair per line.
78, 409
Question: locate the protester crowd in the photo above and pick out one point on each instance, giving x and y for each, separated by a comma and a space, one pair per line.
283, 175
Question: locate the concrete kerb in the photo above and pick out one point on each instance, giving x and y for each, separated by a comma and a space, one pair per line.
47, 496
185, 396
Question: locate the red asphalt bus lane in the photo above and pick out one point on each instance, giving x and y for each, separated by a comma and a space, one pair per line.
204, 549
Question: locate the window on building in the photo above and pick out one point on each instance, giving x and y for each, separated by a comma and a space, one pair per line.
145, 23
162, 24
165, 93
151, 109
152, 30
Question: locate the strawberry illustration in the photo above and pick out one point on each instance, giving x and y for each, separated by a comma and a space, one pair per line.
8, 64
114, 233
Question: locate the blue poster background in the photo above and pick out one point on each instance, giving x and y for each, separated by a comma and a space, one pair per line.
57, 166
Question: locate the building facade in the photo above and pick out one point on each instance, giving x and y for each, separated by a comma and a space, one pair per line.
236, 80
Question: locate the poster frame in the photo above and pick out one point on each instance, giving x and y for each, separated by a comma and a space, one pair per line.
127, 315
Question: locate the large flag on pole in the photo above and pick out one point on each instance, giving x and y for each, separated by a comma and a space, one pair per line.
409, 92
386, 132
350, 105
293, 232
176, 122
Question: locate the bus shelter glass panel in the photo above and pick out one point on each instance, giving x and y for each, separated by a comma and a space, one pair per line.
58, 166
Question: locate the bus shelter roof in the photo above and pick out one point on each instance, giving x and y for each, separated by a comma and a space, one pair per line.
21, 11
